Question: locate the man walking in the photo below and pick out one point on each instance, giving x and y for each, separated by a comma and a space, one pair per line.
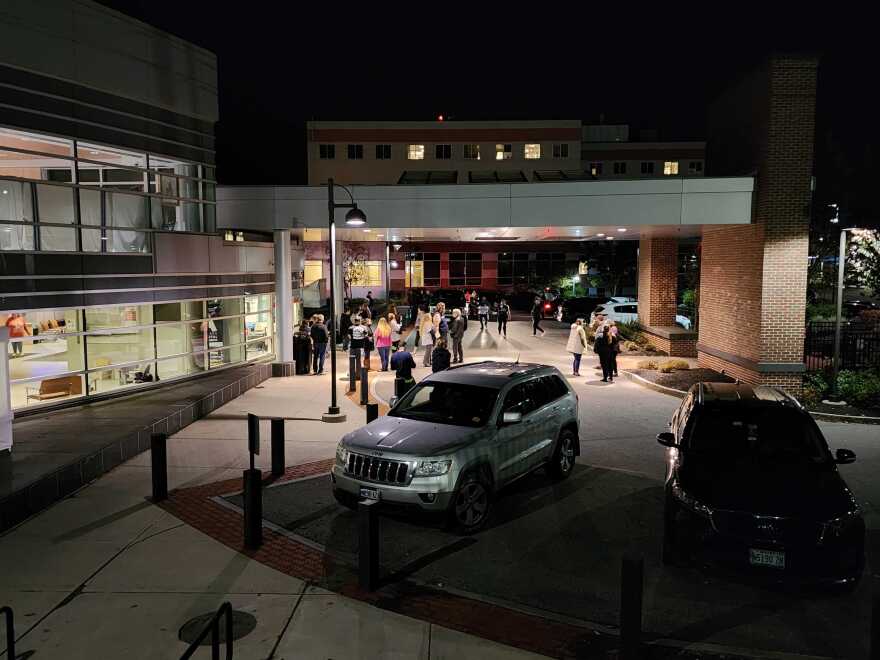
483, 311
456, 332
537, 315
503, 315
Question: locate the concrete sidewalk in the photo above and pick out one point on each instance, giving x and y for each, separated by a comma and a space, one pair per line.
105, 574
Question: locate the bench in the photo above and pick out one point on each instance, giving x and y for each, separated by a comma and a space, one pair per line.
55, 388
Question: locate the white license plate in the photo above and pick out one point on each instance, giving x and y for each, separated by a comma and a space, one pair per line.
369, 493
770, 558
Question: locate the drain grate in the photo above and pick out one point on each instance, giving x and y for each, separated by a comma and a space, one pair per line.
243, 624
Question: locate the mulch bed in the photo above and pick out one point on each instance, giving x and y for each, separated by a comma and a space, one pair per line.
852, 411
682, 380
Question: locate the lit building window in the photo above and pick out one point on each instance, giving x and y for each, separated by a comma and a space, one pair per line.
416, 152
228, 236
472, 152
560, 151
695, 166
369, 273
327, 151
595, 169
312, 271
532, 151
383, 152
503, 151
442, 151
355, 152
670, 167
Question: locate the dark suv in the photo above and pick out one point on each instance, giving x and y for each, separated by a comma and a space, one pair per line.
751, 484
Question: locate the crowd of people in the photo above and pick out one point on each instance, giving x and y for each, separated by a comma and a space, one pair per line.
606, 344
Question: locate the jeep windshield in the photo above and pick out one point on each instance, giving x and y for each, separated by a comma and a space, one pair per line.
447, 403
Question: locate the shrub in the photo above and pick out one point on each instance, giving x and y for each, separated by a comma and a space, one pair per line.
871, 317
861, 388
812, 396
631, 330
631, 346
649, 347
647, 364
818, 311
666, 369
681, 365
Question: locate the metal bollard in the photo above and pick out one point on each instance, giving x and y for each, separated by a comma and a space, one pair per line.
372, 412
159, 460
277, 446
368, 544
352, 373
365, 387
631, 583
875, 621
253, 508
10, 631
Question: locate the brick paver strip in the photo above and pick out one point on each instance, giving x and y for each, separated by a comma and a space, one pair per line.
196, 507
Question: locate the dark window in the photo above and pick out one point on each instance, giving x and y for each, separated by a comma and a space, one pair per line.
554, 387
465, 268
383, 152
626, 309
327, 151
514, 399
647, 167
442, 151
355, 152
560, 151
431, 268
620, 168
695, 166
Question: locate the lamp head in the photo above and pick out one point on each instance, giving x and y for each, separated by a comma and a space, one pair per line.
355, 218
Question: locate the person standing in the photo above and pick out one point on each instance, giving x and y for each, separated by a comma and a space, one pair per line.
467, 298
503, 316
395, 331
366, 312
302, 341
370, 302
456, 333
603, 347
615, 344
428, 335
320, 337
441, 325
440, 357
383, 342
344, 325
483, 312
369, 344
403, 363
17, 329
577, 342
358, 334
537, 315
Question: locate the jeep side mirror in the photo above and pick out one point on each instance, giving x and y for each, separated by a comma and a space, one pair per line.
393, 401
844, 456
667, 439
511, 418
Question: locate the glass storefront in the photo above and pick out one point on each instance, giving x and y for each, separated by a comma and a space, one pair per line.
68, 353
60, 195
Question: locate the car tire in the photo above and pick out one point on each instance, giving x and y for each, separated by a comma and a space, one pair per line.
347, 500
561, 464
471, 505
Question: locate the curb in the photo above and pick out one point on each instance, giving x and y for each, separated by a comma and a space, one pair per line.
653, 386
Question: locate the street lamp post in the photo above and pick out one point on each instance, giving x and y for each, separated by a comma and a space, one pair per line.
354, 218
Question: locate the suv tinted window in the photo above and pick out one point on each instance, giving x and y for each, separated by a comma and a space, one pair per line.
553, 387
514, 399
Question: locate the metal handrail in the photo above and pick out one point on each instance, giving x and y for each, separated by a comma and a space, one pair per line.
213, 626
10, 631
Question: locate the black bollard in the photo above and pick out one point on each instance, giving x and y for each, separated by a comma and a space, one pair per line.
352, 373
875, 621
253, 436
631, 584
365, 387
159, 460
253, 508
399, 387
368, 544
277, 446
372, 412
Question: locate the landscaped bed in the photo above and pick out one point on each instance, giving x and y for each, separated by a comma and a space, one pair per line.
682, 379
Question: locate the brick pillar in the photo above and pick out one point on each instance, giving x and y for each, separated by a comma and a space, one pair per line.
753, 279
658, 281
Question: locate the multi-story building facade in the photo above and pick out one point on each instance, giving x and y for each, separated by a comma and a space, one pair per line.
112, 275
608, 153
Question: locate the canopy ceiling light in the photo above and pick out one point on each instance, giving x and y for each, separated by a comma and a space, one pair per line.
355, 218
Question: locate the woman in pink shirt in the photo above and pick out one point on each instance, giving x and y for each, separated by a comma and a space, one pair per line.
383, 341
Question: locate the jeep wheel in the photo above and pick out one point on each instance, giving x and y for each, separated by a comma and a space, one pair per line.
471, 504
562, 463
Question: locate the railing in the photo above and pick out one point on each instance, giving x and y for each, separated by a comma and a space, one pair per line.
10, 631
859, 345
213, 627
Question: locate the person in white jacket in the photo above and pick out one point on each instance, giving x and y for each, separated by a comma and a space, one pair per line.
577, 342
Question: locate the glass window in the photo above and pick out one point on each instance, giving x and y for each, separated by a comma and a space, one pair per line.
532, 151
210, 214
369, 275
442, 151
472, 152
695, 166
355, 152
312, 271
670, 167
118, 316
112, 156
167, 166
326, 151
16, 204
224, 307
503, 151
415, 152
431, 268
620, 167
47, 389
176, 339
124, 210
180, 366
595, 169
55, 205
383, 152
647, 167
560, 150
53, 163
119, 346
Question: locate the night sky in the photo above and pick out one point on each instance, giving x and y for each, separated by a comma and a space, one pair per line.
281, 66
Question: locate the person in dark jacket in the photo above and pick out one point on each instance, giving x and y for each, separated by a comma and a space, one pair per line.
403, 363
344, 325
537, 315
320, 337
604, 345
440, 357
456, 333
503, 316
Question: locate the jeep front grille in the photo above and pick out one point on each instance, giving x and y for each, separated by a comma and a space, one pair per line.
370, 468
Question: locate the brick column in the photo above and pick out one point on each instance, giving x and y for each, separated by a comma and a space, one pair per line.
658, 281
753, 279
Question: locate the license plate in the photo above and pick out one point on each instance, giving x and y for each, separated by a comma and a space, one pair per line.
769, 558
369, 493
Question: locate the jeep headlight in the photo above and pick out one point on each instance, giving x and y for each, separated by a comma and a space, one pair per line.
432, 468
341, 455
689, 502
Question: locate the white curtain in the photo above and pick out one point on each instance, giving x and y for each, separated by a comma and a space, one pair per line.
15, 204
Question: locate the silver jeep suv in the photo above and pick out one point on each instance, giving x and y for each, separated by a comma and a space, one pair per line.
451, 442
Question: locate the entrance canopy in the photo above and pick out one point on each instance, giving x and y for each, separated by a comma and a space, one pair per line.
575, 210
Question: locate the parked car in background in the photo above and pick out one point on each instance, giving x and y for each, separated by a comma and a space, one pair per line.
454, 440
452, 298
581, 307
852, 308
751, 485
626, 312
